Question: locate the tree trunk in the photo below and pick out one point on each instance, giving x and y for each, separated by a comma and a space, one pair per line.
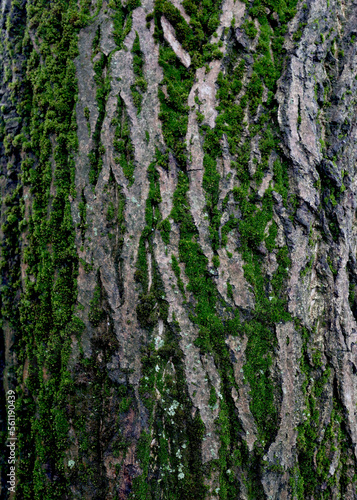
178, 266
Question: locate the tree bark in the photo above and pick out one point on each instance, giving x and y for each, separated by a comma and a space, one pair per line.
178, 249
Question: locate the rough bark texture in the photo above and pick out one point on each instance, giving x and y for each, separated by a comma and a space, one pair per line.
179, 238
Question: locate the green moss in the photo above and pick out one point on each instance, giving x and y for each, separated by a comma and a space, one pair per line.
229, 290
213, 327
122, 19
141, 273
254, 92
146, 310
210, 184
212, 330
281, 179
176, 269
122, 142
174, 112
314, 450
140, 84
152, 305
165, 228
195, 36
230, 225
250, 29
44, 311
212, 397
270, 239
176, 458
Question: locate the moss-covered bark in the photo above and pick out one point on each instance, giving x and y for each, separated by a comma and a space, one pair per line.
178, 246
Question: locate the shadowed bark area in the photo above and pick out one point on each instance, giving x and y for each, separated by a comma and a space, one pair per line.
178, 249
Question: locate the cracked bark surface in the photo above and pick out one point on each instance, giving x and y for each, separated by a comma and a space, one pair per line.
208, 346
